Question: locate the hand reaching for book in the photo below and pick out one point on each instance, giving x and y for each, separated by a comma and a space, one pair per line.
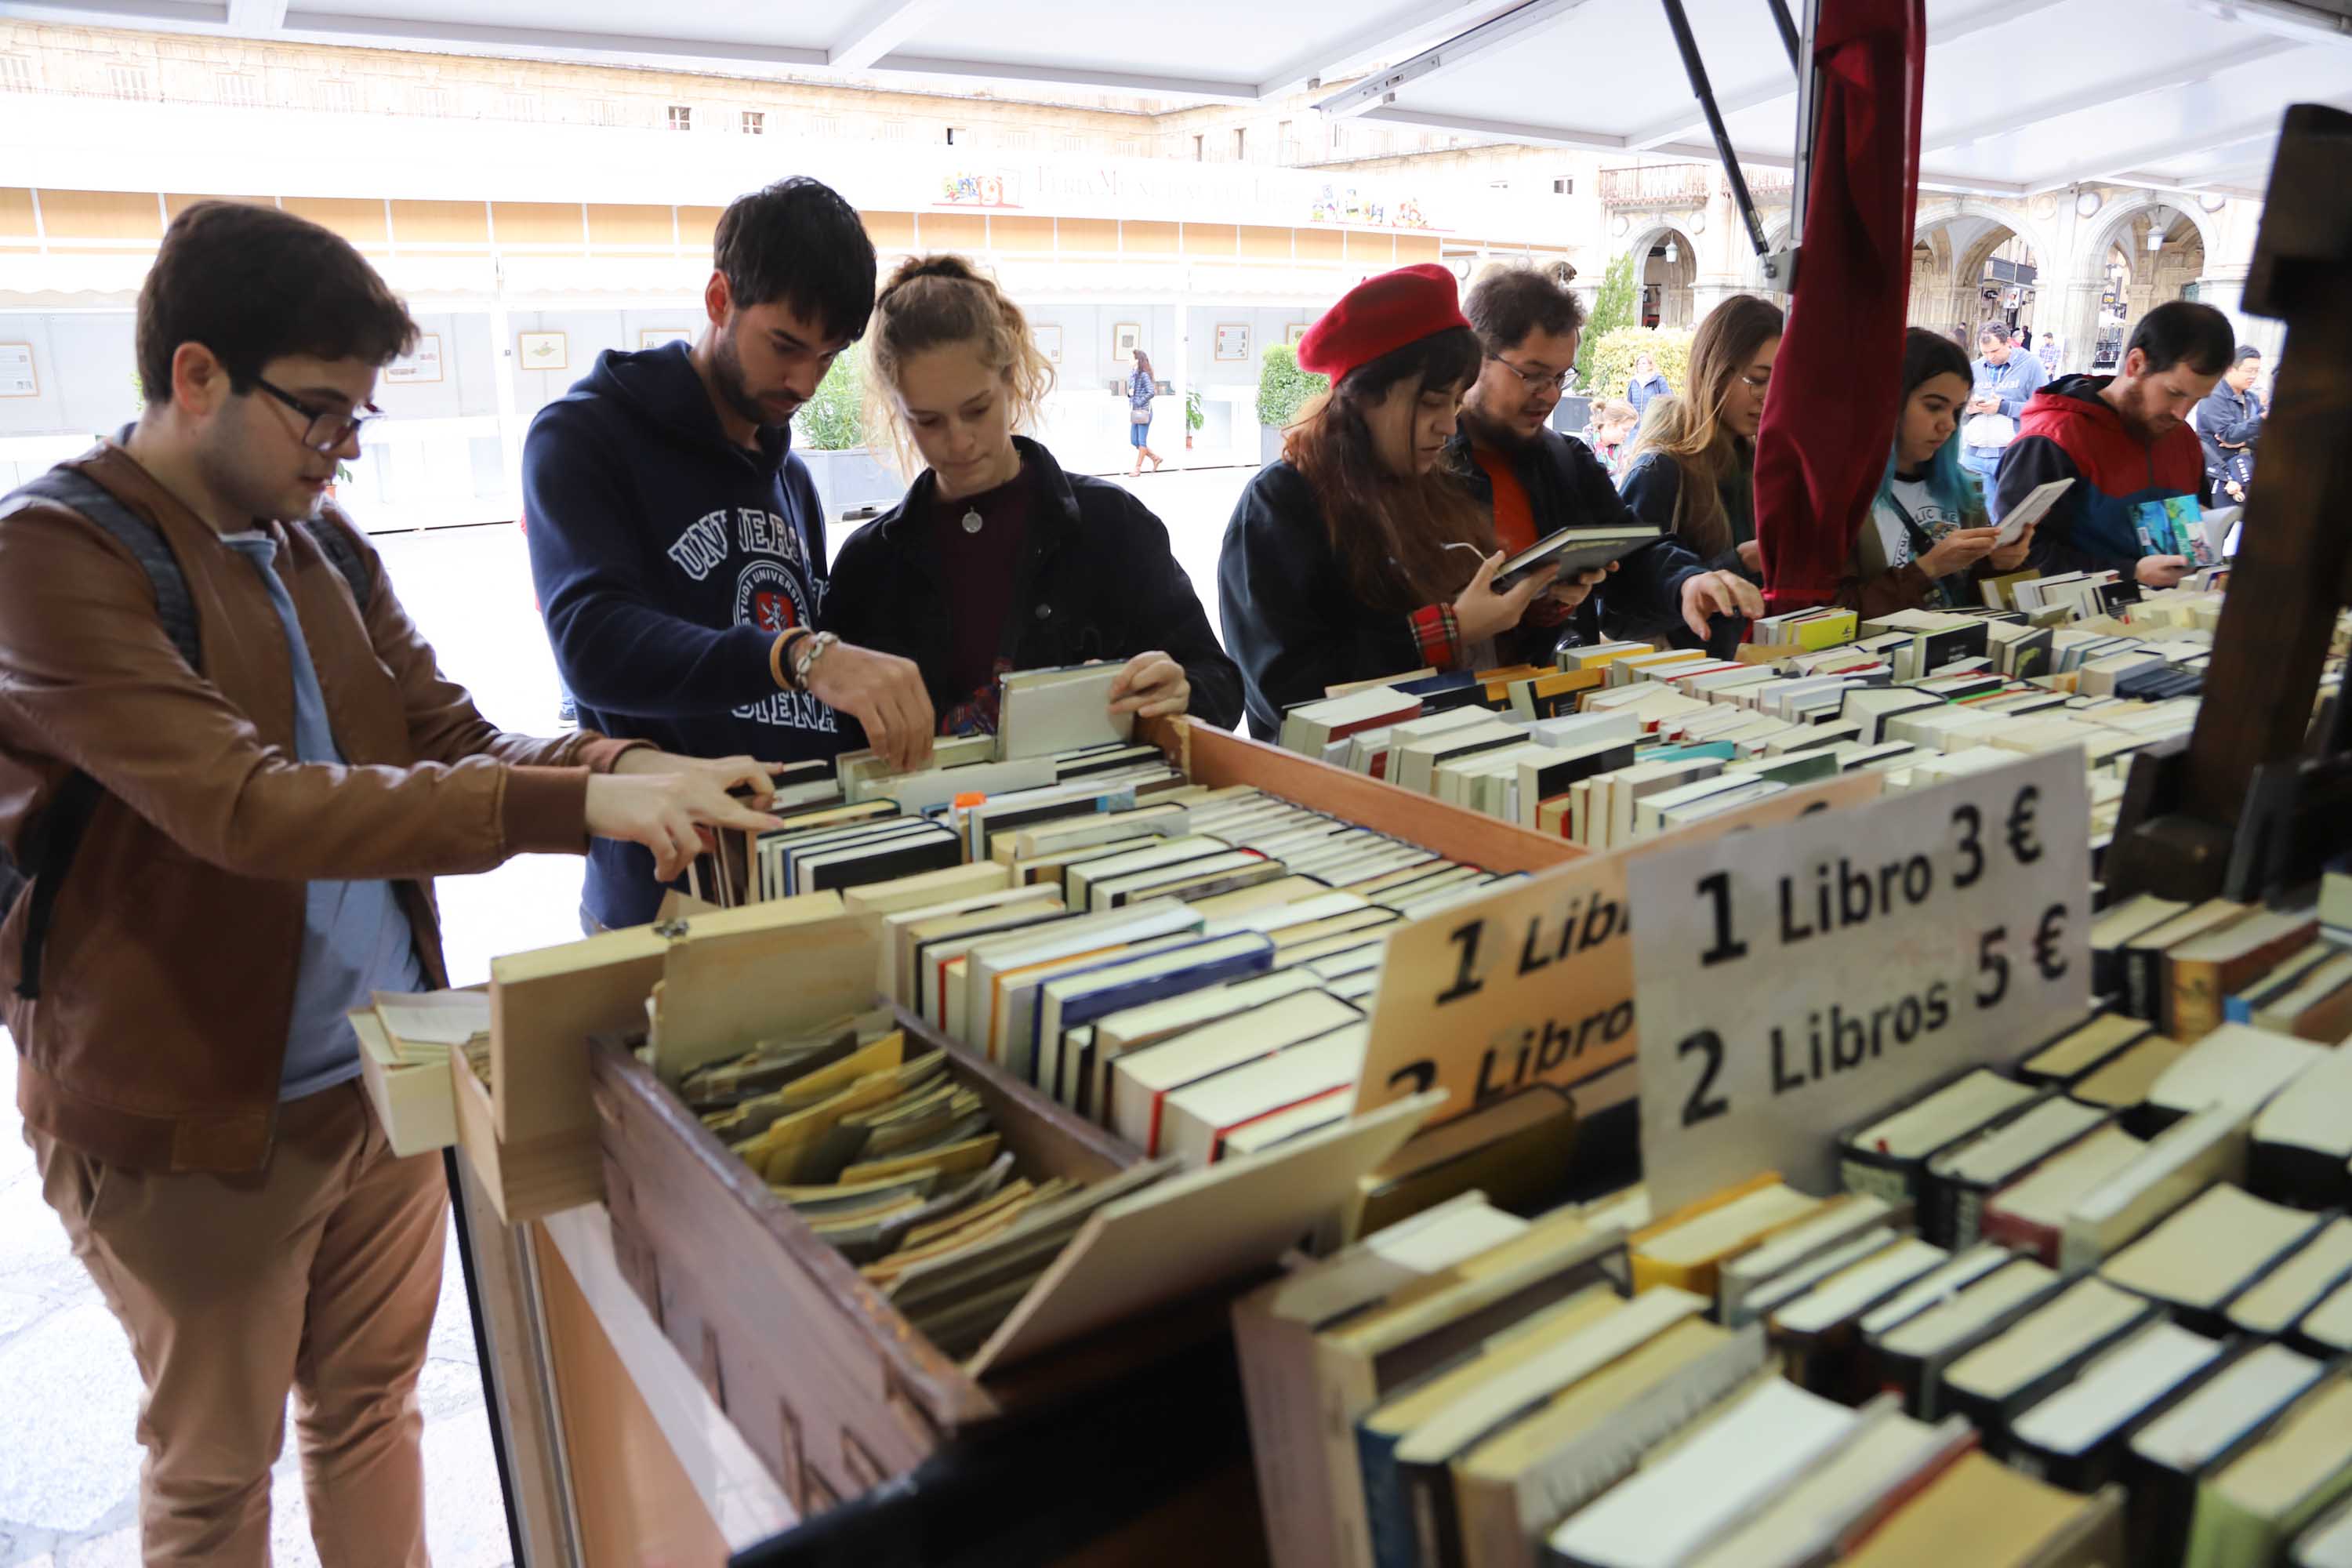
754, 777
885, 694
667, 812
1151, 686
2160, 571
1708, 594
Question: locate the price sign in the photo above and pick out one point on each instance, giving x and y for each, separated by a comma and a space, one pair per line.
1534, 984
1794, 982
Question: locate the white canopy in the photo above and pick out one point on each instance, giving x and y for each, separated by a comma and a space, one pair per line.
2023, 96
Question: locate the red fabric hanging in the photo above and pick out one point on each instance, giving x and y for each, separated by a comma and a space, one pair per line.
1828, 421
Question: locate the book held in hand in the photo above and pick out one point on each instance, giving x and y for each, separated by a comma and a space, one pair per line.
1574, 549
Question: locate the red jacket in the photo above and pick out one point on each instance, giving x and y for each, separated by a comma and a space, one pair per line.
2069, 431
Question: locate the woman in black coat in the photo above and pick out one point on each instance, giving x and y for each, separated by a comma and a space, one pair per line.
997, 559
1357, 555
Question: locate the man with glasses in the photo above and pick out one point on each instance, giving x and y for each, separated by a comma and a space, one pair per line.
678, 545
1536, 481
231, 767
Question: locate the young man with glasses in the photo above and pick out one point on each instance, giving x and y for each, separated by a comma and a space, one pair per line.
1536, 481
678, 545
231, 767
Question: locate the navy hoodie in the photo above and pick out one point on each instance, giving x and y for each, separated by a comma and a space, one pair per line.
666, 560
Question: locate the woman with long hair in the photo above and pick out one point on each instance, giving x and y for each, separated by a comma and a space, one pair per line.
1925, 539
997, 559
1692, 465
1357, 554
1140, 390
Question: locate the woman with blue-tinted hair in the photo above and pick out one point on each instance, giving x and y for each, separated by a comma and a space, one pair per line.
1926, 541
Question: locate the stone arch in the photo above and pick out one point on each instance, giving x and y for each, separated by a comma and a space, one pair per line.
2124, 205
2122, 222
2034, 231
1672, 281
1942, 281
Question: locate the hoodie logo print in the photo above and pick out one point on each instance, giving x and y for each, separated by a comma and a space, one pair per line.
701, 547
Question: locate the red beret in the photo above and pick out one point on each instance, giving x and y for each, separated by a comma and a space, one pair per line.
1380, 314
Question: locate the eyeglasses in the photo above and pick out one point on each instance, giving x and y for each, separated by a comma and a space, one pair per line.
326, 429
1756, 383
1537, 380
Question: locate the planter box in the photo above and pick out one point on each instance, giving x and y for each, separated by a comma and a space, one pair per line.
850, 480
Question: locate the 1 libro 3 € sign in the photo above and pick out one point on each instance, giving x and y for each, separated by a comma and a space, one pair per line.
1794, 983
1534, 984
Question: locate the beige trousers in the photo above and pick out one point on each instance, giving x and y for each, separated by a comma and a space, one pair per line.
317, 1274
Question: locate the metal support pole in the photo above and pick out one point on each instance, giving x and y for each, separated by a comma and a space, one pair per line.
1788, 38
1695, 69
484, 1363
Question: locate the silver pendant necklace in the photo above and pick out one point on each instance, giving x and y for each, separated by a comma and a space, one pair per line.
971, 520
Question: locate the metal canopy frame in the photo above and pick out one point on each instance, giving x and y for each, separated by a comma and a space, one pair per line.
2208, 78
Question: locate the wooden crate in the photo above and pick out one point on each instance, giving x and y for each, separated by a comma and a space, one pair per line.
538, 1137
525, 1177
531, 1139
1213, 757
826, 1382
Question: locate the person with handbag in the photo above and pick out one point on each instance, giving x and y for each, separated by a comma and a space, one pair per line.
1925, 540
2004, 379
1140, 390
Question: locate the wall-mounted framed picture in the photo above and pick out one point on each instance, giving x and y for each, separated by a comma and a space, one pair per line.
542, 350
17, 376
1233, 340
1295, 331
654, 337
1049, 341
1126, 337
423, 365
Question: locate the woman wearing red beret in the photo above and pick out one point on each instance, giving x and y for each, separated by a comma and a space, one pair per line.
1357, 555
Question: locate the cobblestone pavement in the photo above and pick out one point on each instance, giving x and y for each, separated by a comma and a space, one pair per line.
69, 1392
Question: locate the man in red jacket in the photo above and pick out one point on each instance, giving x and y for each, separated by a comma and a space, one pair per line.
2126, 443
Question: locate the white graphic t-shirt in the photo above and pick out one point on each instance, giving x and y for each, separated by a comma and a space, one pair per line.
1935, 520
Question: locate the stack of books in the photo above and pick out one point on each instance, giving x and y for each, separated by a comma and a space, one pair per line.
2089, 1309
1617, 743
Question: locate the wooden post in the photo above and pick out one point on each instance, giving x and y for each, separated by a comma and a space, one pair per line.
2184, 809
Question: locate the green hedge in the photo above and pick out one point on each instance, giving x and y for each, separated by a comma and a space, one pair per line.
1611, 357
833, 420
1283, 388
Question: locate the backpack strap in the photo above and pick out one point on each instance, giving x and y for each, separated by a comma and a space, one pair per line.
335, 542
77, 491
56, 834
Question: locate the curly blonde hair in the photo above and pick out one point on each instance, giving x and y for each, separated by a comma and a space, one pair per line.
929, 302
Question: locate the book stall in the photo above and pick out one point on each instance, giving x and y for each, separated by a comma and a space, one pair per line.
1137, 1148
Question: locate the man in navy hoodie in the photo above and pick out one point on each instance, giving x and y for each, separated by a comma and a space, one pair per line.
2126, 442
678, 546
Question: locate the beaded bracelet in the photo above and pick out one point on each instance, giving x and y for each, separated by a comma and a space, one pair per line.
812, 650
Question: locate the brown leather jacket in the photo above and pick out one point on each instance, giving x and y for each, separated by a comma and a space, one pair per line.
167, 985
